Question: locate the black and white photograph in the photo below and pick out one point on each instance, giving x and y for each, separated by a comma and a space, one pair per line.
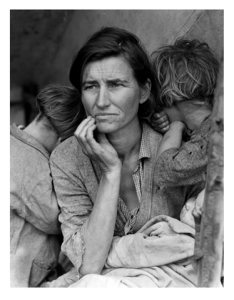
116, 148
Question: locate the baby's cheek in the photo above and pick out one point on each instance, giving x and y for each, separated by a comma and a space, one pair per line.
190, 221
182, 214
187, 218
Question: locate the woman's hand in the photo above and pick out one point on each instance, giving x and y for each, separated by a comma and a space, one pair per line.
102, 151
160, 122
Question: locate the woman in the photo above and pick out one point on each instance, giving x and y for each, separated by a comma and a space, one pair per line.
105, 182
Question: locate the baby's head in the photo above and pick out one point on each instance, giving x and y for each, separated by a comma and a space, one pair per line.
186, 71
192, 205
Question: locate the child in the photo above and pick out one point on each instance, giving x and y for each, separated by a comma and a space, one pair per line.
191, 210
187, 72
35, 230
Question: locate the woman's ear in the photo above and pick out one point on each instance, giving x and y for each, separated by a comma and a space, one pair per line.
145, 91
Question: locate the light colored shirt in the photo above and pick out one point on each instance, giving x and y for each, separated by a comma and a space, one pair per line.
35, 234
76, 179
131, 216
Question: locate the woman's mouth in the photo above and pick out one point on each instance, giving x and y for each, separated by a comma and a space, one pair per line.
102, 116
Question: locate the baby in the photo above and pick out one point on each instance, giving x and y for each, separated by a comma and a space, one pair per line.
191, 210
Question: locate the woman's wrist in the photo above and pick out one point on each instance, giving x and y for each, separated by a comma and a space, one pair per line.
114, 173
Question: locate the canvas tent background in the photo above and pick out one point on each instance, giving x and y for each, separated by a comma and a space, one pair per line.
44, 42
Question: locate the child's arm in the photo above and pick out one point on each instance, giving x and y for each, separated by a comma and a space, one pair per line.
186, 165
172, 138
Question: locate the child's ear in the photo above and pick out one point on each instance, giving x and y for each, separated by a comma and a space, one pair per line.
145, 91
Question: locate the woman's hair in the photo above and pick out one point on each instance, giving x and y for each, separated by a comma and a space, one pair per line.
112, 41
186, 70
61, 106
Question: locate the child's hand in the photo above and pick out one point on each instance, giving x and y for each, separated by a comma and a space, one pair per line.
160, 122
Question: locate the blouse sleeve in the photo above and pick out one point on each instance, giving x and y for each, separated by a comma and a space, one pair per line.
184, 166
76, 207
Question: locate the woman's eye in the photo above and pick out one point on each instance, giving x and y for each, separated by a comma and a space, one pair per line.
89, 87
115, 85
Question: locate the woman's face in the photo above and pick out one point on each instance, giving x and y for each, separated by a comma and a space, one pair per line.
111, 94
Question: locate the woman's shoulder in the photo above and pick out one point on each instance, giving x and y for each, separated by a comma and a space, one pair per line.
69, 151
151, 136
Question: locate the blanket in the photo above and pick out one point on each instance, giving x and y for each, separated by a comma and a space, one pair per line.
160, 254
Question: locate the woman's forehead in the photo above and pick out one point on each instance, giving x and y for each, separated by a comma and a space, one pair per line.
109, 68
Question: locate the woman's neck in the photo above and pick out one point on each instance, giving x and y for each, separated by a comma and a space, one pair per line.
127, 141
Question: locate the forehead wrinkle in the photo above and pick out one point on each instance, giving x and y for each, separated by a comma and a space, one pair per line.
107, 71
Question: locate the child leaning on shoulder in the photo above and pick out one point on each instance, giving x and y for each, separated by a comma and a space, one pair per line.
187, 73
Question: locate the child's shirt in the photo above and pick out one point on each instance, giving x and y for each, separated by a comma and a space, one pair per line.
187, 165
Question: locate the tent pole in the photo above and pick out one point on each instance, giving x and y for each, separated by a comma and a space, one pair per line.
209, 240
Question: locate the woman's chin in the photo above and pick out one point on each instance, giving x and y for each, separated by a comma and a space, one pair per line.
105, 128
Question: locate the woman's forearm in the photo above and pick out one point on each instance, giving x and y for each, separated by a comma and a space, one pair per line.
99, 228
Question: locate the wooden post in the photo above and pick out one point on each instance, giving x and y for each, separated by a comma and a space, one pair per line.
210, 238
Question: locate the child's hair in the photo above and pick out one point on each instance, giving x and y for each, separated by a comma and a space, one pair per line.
61, 106
186, 70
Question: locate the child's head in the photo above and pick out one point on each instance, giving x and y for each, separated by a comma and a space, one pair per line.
186, 71
193, 204
186, 215
61, 107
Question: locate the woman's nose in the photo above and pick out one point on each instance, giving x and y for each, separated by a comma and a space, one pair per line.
102, 98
